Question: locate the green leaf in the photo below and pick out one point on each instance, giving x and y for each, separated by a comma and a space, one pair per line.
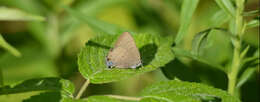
199, 41
244, 52
227, 6
42, 97
253, 23
248, 73
10, 14
68, 88
18, 97
8, 47
178, 52
250, 62
168, 97
219, 18
97, 25
41, 84
187, 10
195, 91
251, 13
155, 52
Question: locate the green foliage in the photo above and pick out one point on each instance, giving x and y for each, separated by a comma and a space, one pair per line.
92, 64
227, 6
199, 41
10, 14
89, 9
8, 47
168, 97
183, 53
251, 13
34, 62
253, 23
180, 89
51, 88
29, 6
51, 96
95, 24
247, 74
49, 34
219, 18
48, 84
188, 8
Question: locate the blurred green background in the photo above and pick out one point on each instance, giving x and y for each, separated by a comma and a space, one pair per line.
50, 47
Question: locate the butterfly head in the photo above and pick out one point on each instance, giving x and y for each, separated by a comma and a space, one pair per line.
109, 63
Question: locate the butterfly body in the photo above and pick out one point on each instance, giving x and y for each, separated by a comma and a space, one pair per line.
125, 54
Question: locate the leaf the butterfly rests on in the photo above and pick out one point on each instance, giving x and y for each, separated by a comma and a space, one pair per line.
155, 51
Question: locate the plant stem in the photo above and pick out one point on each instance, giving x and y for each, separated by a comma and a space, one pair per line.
82, 89
124, 97
232, 76
236, 62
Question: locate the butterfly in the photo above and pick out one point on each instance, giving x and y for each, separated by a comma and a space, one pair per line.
125, 54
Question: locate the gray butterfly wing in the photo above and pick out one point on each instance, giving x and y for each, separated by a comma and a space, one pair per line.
125, 54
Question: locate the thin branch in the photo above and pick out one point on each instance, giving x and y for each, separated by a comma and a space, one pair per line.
82, 89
